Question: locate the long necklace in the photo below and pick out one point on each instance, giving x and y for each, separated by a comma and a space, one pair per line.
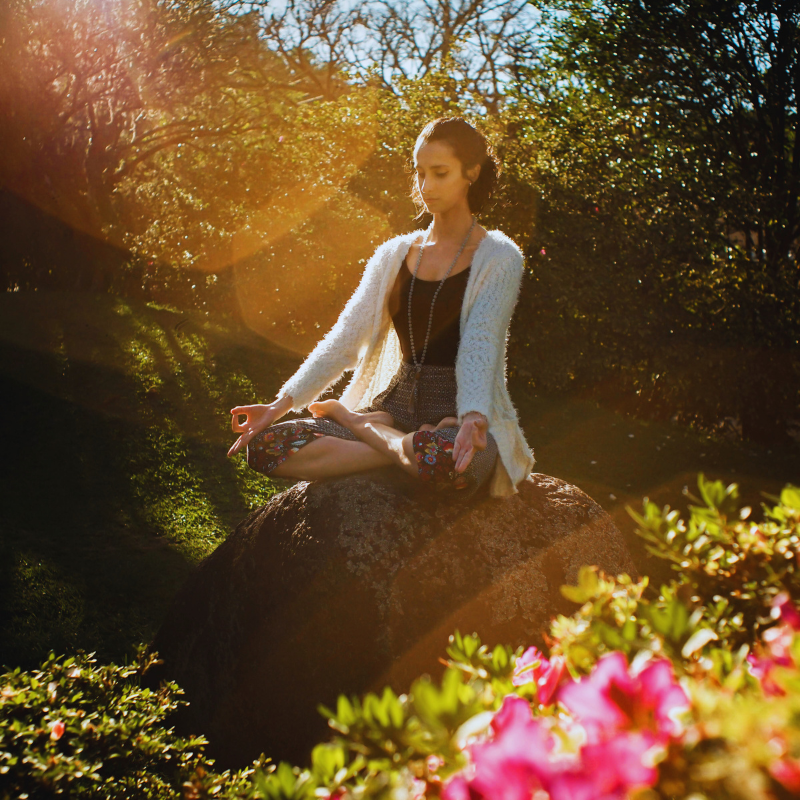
418, 364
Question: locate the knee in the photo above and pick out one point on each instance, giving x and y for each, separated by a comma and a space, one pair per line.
309, 463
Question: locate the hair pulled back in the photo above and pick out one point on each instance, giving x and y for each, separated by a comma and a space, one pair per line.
470, 147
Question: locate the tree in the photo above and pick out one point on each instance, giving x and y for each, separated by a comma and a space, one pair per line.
662, 139
327, 43
719, 84
90, 91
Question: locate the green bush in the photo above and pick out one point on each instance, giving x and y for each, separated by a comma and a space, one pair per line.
701, 681
741, 729
729, 570
76, 729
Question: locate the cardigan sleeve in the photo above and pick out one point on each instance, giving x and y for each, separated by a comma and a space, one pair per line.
343, 345
483, 341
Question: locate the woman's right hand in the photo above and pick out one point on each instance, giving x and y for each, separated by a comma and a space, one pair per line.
257, 418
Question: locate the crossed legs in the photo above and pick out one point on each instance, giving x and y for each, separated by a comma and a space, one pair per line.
379, 445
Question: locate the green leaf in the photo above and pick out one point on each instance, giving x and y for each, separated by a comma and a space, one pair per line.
327, 760
790, 497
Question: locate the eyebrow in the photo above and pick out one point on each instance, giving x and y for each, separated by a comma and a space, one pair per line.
436, 166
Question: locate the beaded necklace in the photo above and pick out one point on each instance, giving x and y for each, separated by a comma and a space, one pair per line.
418, 364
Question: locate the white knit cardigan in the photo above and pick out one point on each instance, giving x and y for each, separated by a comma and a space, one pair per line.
364, 340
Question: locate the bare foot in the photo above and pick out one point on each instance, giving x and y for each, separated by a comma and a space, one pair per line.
334, 410
427, 427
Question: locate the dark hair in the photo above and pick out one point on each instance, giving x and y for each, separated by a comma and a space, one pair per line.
470, 147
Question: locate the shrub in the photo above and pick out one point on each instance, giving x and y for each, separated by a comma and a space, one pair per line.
689, 692
693, 691
75, 729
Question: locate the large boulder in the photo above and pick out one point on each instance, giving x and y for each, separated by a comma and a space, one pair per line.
347, 585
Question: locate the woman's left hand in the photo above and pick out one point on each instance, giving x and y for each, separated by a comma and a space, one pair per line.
471, 437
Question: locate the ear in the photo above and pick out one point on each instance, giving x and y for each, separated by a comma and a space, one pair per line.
473, 172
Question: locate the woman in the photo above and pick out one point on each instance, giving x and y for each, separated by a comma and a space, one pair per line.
425, 333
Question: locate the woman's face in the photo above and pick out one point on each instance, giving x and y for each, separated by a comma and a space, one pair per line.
440, 177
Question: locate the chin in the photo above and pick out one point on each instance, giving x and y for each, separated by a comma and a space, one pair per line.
439, 207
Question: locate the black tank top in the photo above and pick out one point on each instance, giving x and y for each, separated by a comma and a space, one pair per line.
445, 328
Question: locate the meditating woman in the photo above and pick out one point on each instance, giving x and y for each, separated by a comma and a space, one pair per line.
425, 333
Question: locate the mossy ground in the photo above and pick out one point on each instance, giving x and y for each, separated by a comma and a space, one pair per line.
115, 480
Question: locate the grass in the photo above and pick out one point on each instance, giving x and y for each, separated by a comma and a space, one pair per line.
619, 460
116, 483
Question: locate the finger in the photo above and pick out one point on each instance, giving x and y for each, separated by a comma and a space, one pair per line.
461, 447
248, 435
236, 426
478, 437
463, 463
457, 449
235, 447
464, 460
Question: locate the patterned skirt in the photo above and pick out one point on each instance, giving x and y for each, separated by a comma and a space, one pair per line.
433, 450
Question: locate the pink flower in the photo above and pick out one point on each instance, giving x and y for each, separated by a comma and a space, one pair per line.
550, 680
608, 771
611, 699
625, 715
783, 609
779, 641
662, 697
457, 788
532, 666
543, 252
57, 730
519, 759
590, 698
617, 765
510, 765
787, 772
760, 669
528, 667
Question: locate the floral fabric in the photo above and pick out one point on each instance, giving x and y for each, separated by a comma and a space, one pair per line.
434, 454
436, 399
273, 446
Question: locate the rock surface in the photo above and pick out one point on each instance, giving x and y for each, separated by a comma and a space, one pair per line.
347, 585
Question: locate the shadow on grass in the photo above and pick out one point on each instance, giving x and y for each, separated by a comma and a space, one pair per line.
619, 460
115, 481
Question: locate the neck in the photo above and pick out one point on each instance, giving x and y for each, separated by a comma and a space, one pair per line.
451, 225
